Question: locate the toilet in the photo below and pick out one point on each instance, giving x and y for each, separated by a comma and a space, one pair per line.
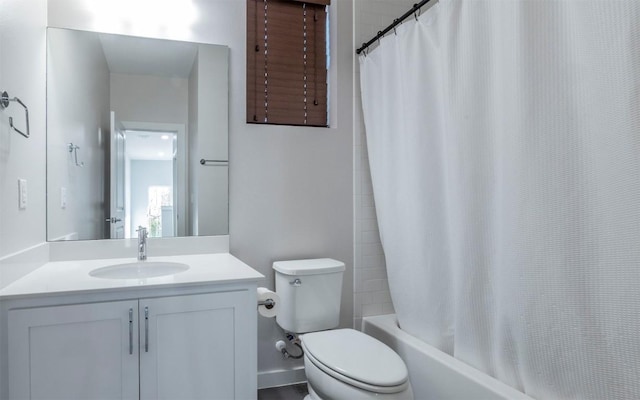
339, 363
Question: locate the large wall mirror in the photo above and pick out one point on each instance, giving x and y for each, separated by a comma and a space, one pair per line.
137, 135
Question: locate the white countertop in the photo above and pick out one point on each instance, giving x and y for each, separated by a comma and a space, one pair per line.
62, 277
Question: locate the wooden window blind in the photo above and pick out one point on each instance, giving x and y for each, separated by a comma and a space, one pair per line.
287, 62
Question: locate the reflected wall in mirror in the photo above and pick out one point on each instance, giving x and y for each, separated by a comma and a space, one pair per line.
128, 121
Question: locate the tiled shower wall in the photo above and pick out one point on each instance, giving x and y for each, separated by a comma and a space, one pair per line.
371, 290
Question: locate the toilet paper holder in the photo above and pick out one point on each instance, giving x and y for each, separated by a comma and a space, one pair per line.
268, 303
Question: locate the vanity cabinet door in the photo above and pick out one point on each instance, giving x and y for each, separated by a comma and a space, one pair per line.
87, 351
198, 347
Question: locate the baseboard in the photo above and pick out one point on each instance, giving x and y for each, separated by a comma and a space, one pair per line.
281, 378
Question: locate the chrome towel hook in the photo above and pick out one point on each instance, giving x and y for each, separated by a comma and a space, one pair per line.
4, 103
74, 149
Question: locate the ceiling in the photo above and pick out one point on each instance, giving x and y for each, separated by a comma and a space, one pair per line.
148, 145
144, 56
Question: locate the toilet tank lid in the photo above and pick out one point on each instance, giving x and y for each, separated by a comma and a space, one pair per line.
309, 267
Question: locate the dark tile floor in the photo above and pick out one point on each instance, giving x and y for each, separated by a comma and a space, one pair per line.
292, 392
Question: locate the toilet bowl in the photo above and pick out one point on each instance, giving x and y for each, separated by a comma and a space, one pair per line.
339, 364
348, 364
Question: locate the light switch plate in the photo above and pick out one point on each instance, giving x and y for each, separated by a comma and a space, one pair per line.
63, 197
22, 194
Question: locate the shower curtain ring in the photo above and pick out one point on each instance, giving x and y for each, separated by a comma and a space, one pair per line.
416, 11
395, 22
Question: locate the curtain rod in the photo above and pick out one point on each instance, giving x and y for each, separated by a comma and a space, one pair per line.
395, 23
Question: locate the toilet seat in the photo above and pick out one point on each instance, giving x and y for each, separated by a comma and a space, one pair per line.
356, 359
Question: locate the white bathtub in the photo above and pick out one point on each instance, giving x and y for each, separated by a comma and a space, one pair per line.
434, 374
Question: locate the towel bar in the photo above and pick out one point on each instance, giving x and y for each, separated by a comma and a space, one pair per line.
214, 163
4, 103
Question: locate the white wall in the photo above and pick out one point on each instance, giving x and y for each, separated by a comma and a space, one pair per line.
22, 75
209, 140
78, 113
290, 187
148, 98
192, 208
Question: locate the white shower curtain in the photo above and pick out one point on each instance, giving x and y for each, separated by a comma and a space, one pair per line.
504, 143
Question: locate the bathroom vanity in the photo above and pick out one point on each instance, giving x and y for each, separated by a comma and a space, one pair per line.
190, 334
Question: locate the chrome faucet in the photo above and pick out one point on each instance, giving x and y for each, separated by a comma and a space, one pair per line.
142, 243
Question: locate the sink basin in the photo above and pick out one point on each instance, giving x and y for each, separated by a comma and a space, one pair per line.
139, 270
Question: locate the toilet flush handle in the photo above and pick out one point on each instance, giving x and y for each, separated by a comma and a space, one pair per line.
296, 282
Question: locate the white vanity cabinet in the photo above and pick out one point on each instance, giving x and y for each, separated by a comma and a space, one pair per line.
188, 346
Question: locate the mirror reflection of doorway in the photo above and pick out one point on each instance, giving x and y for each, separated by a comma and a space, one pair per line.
145, 84
150, 181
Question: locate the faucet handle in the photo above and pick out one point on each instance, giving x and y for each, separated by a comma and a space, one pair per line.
142, 231
142, 243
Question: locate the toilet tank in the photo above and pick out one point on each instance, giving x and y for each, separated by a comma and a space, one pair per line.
310, 292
